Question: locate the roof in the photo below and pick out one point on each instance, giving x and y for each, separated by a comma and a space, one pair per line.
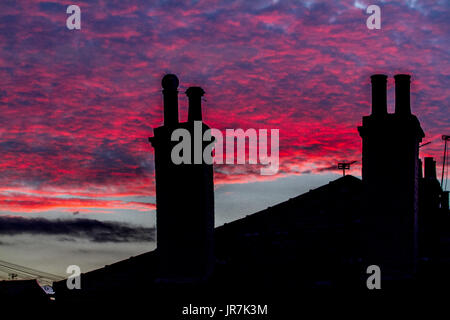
261, 245
23, 290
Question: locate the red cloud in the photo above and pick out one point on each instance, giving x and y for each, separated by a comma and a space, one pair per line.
77, 106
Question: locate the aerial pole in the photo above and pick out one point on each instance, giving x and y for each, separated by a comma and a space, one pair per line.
345, 166
445, 138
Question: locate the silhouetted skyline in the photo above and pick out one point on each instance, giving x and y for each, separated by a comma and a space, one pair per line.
77, 107
396, 220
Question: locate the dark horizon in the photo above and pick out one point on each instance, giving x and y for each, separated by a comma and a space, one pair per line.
390, 230
79, 105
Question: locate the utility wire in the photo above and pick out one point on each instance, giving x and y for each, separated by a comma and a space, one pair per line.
29, 271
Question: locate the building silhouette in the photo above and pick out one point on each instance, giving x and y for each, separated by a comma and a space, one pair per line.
390, 162
23, 291
184, 195
395, 217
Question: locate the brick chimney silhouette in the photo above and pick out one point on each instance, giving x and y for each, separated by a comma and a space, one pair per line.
390, 175
184, 195
430, 216
430, 168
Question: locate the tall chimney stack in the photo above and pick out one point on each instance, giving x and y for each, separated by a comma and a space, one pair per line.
430, 168
379, 87
402, 94
195, 103
390, 154
170, 84
184, 196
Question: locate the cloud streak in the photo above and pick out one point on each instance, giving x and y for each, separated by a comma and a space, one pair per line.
90, 229
18, 202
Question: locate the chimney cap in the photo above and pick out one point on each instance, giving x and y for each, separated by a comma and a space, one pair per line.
195, 91
170, 82
402, 77
378, 77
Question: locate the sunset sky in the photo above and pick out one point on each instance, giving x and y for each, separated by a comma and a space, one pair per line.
77, 106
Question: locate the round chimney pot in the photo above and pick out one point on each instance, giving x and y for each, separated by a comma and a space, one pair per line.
196, 91
170, 82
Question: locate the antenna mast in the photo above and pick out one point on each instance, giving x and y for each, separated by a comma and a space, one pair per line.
445, 138
345, 166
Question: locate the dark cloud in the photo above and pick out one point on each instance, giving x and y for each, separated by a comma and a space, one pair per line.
93, 230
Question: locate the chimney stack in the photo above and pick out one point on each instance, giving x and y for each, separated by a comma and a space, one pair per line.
420, 168
402, 94
195, 103
430, 168
379, 87
444, 202
170, 84
184, 196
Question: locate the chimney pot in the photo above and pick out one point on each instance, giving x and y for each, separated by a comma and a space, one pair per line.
195, 103
170, 84
402, 94
379, 96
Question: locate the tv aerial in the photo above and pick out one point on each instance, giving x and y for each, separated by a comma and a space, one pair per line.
345, 166
445, 138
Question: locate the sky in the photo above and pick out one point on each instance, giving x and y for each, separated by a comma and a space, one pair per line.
77, 106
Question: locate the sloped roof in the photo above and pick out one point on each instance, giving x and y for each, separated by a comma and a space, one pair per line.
22, 290
307, 225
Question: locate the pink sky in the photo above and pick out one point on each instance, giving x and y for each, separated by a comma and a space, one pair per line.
77, 107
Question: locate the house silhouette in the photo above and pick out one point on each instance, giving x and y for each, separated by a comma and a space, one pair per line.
396, 217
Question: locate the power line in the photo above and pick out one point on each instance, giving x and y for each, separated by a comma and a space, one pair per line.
26, 272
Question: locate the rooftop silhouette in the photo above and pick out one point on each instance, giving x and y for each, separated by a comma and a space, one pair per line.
395, 217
